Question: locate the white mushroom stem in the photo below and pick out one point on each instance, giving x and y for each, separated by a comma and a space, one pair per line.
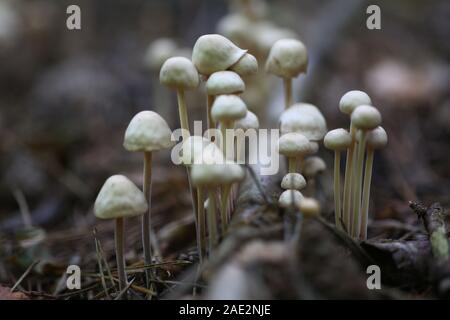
224, 206
146, 217
366, 192
337, 189
200, 223
209, 119
348, 181
119, 239
212, 220
357, 186
292, 164
287, 83
184, 122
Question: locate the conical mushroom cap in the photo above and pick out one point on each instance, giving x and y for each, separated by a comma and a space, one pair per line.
290, 198
293, 181
147, 131
224, 82
353, 99
193, 148
293, 144
313, 166
179, 73
228, 108
304, 118
366, 117
287, 58
246, 66
119, 198
377, 138
337, 139
250, 121
213, 52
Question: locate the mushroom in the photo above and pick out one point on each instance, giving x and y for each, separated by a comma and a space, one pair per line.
249, 122
310, 207
119, 198
246, 66
290, 198
294, 146
213, 52
147, 132
338, 140
347, 104
294, 181
287, 59
226, 110
376, 139
364, 118
158, 52
180, 74
222, 82
304, 118
313, 166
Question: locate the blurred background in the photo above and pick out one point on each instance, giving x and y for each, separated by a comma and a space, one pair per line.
66, 96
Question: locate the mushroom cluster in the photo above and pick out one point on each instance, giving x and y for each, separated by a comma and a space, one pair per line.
364, 137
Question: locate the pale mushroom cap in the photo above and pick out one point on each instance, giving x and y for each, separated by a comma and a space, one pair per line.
119, 198
250, 121
377, 138
290, 198
313, 166
310, 207
224, 82
147, 131
235, 27
366, 117
304, 118
158, 52
293, 181
293, 144
287, 58
313, 146
192, 149
228, 108
179, 73
216, 174
246, 66
265, 34
213, 52
353, 99
337, 139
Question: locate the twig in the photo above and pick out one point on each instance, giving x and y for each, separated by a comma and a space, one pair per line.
25, 274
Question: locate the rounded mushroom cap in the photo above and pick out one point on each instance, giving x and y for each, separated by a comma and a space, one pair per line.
192, 149
366, 117
293, 181
250, 121
264, 34
235, 27
377, 138
228, 108
287, 58
337, 139
312, 166
293, 144
224, 82
246, 66
215, 174
290, 198
158, 52
213, 52
179, 73
353, 99
147, 131
304, 118
310, 207
119, 198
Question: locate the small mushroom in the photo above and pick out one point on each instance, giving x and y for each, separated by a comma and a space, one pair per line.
180, 74
376, 139
158, 52
246, 66
294, 181
310, 207
119, 198
294, 146
249, 122
146, 133
304, 118
290, 198
213, 52
338, 140
364, 118
287, 59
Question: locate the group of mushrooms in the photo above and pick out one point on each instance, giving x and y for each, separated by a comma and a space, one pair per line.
213, 161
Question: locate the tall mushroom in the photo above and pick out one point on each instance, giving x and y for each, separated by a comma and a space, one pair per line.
287, 59
146, 133
376, 139
119, 198
364, 118
338, 140
294, 146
